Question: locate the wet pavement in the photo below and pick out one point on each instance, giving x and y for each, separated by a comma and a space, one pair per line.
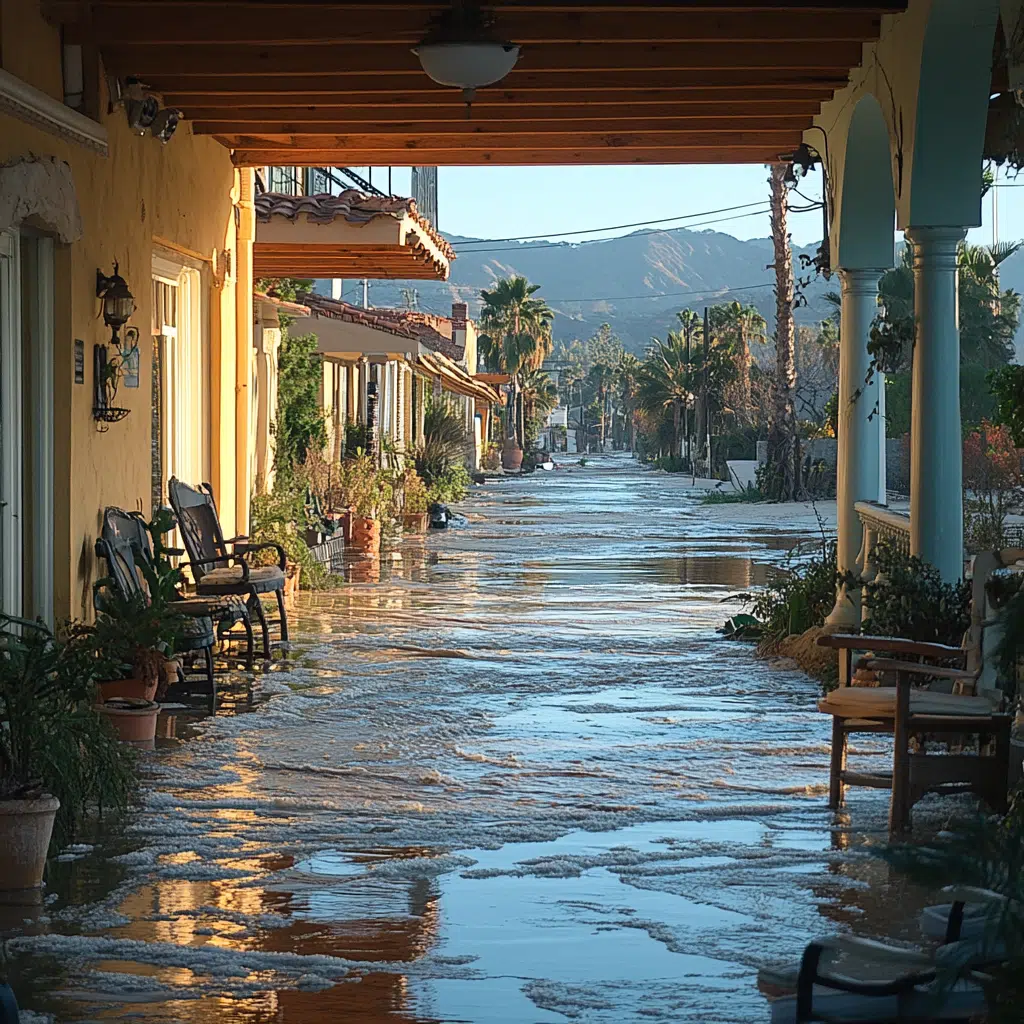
509, 774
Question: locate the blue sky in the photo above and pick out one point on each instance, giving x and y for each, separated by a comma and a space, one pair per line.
502, 202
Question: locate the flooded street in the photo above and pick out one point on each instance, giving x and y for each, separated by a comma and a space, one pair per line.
519, 779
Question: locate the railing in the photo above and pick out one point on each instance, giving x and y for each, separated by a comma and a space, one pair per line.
880, 523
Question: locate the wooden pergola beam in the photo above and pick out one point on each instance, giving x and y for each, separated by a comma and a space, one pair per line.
253, 156
282, 24
433, 135
566, 61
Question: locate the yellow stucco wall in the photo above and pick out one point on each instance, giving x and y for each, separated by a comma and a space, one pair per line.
182, 192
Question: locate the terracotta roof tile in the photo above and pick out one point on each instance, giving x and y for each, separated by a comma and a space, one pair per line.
351, 205
402, 323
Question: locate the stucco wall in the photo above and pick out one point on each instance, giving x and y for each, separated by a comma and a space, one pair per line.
181, 192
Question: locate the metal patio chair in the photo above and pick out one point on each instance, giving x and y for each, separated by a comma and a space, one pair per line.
123, 544
220, 566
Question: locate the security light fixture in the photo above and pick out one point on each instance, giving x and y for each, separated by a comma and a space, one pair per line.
165, 124
118, 301
462, 51
141, 111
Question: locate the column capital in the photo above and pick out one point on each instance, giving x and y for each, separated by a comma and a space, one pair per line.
859, 281
935, 246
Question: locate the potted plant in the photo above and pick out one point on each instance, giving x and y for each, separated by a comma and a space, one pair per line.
414, 513
58, 757
365, 494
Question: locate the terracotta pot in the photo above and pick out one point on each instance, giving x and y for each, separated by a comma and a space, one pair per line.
511, 456
25, 830
291, 579
414, 522
133, 720
365, 535
134, 688
345, 521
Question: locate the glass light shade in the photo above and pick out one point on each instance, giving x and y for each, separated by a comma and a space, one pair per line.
467, 65
118, 302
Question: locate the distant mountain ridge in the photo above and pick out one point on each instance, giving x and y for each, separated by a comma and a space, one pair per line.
636, 282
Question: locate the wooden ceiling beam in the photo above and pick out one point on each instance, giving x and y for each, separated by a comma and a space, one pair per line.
566, 61
674, 139
270, 106
720, 153
282, 24
709, 83
474, 132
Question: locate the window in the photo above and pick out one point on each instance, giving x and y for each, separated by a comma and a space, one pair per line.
180, 385
284, 180
318, 181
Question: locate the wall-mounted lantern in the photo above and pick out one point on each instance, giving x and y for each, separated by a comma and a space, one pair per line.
118, 306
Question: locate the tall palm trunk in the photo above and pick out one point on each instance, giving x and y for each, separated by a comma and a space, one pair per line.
744, 367
783, 443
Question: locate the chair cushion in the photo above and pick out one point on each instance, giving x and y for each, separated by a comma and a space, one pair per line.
264, 579
221, 607
880, 702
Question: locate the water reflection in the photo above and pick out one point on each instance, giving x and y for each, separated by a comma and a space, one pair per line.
506, 773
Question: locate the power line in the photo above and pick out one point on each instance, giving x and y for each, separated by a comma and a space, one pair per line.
612, 227
710, 291
592, 241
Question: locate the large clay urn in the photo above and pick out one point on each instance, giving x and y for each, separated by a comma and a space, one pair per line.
511, 456
25, 830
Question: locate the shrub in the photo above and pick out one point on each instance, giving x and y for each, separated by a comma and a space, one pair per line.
800, 596
278, 518
748, 494
451, 486
670, 464
993, 485
51, 738
909, 599
442, 451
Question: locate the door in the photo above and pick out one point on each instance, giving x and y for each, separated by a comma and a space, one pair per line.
11, 427
26, 425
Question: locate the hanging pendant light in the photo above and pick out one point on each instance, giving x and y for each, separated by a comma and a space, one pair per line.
461, 51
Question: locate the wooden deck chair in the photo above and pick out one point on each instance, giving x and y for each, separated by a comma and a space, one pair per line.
220, 566
938, 689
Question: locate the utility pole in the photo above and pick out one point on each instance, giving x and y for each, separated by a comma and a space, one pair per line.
366, 294
687, 329
707, 404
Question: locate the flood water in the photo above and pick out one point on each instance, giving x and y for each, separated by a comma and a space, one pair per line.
511, 774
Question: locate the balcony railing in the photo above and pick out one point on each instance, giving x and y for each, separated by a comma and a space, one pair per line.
880, 523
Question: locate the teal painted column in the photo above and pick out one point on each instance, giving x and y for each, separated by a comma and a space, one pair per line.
936, 470
861, 431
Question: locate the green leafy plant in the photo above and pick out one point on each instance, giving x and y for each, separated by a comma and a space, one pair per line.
450, 486
799, 596
276, 518
993, 485
357, 435
363, 486
51, 738
443, 447
416, 498
746, 495
909, 599
300, 423
1007, 387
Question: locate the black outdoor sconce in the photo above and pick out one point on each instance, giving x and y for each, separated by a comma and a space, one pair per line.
118, 306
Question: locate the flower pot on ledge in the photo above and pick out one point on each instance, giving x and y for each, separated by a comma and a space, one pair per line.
137, 689
133, 720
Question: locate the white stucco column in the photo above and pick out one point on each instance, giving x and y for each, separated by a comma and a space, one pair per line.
936, 471
861, 430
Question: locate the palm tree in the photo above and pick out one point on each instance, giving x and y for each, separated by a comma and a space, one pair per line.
627, 378
665, 381
783, 443
601, 378
746, 324
516, 336
539, 393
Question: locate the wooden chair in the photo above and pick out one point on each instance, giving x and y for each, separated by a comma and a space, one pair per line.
938, 690
220, 566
